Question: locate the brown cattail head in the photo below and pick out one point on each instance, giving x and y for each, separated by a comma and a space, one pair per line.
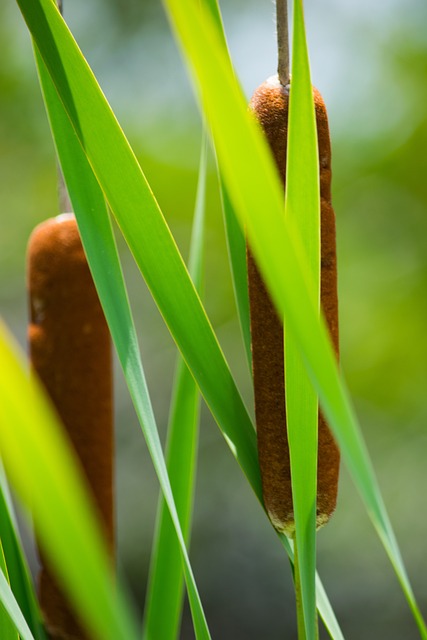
270, 105
71, 352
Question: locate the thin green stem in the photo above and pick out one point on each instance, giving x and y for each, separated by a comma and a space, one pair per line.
298, 598
298, 595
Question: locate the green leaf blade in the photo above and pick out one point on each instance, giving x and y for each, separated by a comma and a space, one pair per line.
19, 573
302, 203
64, 520
165, 587
7, 627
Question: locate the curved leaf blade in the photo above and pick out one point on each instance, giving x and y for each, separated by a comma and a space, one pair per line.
165, 590
302, 210
9, 609
19, 574
38, 459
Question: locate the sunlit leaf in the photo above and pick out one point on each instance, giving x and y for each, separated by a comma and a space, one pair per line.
38, 460
303, 215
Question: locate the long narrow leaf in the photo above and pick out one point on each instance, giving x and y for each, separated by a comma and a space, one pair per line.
7, 626
165, 588
19, 574
38, 459
328, 616
303, 214
213, 7
255, 190
95, 228
16, 628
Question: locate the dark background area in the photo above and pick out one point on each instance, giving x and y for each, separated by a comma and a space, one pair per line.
369, 60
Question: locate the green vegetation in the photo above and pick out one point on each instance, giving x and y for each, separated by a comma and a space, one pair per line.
99, 165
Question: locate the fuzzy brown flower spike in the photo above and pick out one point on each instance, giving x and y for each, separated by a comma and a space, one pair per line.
71, 352
270, 105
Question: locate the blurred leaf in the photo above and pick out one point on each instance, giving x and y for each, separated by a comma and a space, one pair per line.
302, 210
38, 459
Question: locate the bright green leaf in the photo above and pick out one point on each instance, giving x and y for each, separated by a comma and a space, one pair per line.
38, 460
303, 215
165, 591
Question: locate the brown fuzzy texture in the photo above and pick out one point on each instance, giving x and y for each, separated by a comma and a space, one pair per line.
270, 105
70, 350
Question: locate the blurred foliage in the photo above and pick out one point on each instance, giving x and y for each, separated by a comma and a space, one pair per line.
370, 62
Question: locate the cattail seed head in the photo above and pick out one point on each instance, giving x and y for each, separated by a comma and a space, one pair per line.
270, 104
70, 350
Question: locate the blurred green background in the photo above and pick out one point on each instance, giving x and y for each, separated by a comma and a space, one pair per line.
370, 62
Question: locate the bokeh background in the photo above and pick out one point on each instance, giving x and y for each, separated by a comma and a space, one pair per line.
370, 62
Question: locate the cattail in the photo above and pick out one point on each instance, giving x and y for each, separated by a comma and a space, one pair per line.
71, 352
270, 105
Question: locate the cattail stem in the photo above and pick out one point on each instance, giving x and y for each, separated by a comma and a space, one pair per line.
282, 41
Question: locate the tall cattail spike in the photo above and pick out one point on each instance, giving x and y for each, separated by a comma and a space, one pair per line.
71, 353
270, 105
